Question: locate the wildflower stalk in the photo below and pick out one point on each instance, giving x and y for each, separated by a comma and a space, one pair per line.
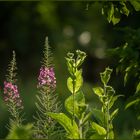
45, 126
11, 94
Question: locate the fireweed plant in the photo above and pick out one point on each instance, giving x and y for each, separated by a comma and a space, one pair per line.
45, 126
80, 121
12, 96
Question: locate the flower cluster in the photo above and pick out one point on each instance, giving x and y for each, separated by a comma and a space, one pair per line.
47, 78
11, 93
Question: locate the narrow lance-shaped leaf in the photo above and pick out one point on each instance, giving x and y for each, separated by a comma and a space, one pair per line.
132, 103
114, 113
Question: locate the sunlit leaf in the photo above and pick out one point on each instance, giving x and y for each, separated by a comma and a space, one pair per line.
132, 103
69, 125
98, 91
136, 4
114, 113
20, 132
75, 84
105, 76
99, 129
96, 137
113, 99
110, 12
136, 134
124, 10
138, 88
79, 104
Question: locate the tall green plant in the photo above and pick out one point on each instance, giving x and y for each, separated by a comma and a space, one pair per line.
107, 97
74, 104
44, 126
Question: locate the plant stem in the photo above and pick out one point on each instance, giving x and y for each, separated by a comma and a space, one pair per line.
80, 129
73, 116
73, 81
47, 116
106, 112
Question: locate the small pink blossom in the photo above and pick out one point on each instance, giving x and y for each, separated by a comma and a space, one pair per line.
11, 93
47, 78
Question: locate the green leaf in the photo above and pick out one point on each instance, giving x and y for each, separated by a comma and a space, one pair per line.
138, 88
99, 129
136, 134
125, 78
124, 10
79, 80
132, 103
116, 17
127, 70
70, 84
111, 134
98, 91
20, 132
80, 57
110, 12
136, 4
98, 114
110, 90
113, 99
97, 137
105, 76
70, 127
79, 104
69, 65
75, 84
87, 116
114, 113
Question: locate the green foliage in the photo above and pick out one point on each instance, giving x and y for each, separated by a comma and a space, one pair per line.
70, 127
105, 76
79, 104
99, 129
78, 82
113, 10
107, 98
99, 115
138, 88
20, 132
133, 102
136, 4
136, 134
75, 125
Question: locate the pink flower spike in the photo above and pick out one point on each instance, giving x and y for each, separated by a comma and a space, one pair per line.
11, 93
47, 78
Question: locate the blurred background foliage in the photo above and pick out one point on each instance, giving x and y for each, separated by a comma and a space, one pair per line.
109, 32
